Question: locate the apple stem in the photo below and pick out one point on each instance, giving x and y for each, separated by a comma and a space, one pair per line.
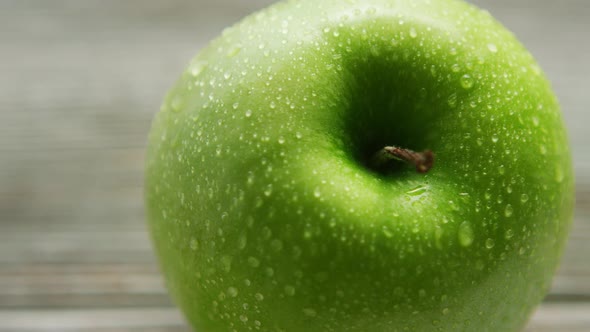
423, 161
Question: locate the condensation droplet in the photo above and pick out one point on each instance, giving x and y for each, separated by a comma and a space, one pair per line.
253, 261
508, 210
281, 140
248, 113
452, 100
492, 48
494, 138
465, 234
413, 33
559, 174
490, 243
509, 234
524, 198
290, 290
232, 291
259, 297
466, 81
194, 244
309, 312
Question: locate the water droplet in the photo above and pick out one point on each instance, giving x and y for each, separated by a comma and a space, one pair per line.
234, 51
197, 67
269, 271
317, 192
494, 138
298, 135
490, 243
559, 174
242, 241
417, 191
413, 33
465, 234
508, 210
309, 312
259, 297
177, 103
492, 47
387, 232
524, 198
194, 244
394, 42
466, 81
509, 234
248, 113
455, 68
232, 291
501, 169
244, 318
236, 105
268, 190
276, 245
281, 140
253, 261
273, 105
446, 311
452, 100
227, 75
226, 263
535, 121
290, 290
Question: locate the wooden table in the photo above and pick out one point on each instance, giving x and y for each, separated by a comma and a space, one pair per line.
79, 83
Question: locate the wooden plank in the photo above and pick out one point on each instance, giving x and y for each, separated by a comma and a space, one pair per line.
549, 317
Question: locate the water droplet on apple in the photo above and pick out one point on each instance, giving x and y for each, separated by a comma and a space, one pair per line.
455, 68
232, 291
253, 261
413, 33
452, 100
418, 191
242, 241
387, 232
309, 312
494, 138
281, 140
446, 311
227, 75
465, 234
501, 169
466, 81
289, 290
268, 190
226, 263
259, 297
244, 318
559, 174
248, 113
177, 103
508, 210
276, 245
316, 192
234, 51
524, 198
490, 243
492, 48
535, 121
394, 42
273, 105
269, 271
298, 135
235, 106
194, 244
197, 67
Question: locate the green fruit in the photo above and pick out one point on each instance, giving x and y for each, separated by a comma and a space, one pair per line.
268, 214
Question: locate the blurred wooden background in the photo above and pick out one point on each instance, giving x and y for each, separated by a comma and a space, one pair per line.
79, 83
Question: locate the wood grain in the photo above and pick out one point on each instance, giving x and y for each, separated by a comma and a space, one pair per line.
79, 83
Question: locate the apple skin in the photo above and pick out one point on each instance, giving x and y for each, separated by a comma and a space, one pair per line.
265, 215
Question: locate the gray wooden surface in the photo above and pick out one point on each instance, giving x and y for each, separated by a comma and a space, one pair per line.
79, 83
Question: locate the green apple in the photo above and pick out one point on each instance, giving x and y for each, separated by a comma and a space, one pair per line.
269, 211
